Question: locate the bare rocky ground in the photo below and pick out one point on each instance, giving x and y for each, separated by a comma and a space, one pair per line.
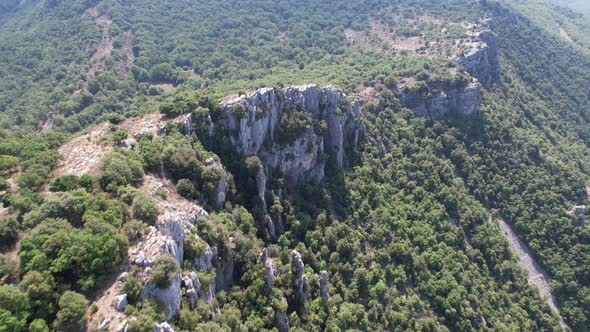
537, 275
104, 48
126, 55
82, 154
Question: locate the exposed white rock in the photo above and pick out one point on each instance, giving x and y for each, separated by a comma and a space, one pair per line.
482, 60
123, 276
123, 327
537, 275
163, 327
194, 290
271, 269
121, 302
166, 238
270, 226
205, 261
282, 319
255, 130
300, 281
324, 288
462, 99
171, 296
261, 185
220, 191
105, 323
578, 210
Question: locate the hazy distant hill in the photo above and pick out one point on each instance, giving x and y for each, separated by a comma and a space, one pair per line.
579, 5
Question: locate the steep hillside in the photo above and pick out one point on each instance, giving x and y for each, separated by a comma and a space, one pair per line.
294, 165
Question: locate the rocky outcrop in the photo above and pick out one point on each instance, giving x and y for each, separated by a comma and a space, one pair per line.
270, 226
205, 261
224, 273
271, 269
578, 211
272, 272
300, 281
194, 290
166, 237
174, 231
261, 185
163, 327
438, 101
121, 302
482, 59
170, 296
220, 189
255, 123
282, 319
324, 288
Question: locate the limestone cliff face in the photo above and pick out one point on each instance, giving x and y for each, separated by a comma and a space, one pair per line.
463, 100
482, 61
255, 124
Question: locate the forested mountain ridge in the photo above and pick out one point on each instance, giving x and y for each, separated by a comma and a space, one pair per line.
169, 166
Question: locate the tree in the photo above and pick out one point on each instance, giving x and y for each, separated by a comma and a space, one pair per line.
65, 183
181, 103
38, 325
72, 312
8, 163
133, 287
119, 169
40, 289
4, 185
8, 231
8, 268
14, 309
68, 205
119, 136
145, 208
185, 188
164, 270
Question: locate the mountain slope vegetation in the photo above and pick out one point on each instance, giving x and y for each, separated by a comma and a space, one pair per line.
151, 215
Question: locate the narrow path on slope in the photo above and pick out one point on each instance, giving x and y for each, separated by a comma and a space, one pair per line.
537, 275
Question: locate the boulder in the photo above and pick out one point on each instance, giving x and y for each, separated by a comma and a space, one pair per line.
121, 302
123, 276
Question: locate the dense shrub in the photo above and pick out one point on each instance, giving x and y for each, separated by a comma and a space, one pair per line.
72, 312
119, 168
133, 287
164, 270
145, 208
185, 188
65, 183
8, 231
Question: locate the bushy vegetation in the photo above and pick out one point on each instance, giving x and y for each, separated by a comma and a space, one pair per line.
165, 269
